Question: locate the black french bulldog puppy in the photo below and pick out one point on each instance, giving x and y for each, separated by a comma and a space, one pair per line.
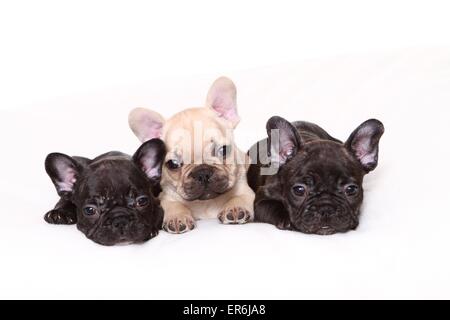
110, 198
317, 186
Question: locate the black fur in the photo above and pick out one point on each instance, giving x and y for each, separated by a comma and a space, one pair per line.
313, 190
120, 189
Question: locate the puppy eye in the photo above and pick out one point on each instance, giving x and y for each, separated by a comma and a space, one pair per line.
351, 190
90, 211
299, 190
173, 164
142, 201
223, 151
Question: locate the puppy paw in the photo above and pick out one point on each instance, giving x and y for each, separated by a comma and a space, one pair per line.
234, 215
58, 216
284, 225
152, 234
178, 225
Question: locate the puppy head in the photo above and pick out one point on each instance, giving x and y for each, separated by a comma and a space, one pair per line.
113, 193
319, 183
201, 160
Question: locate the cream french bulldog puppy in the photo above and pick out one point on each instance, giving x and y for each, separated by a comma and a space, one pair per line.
204, 175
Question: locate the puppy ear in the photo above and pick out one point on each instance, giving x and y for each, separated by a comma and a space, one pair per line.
64, 172
149, 158
222, 99
146, 124
363, 143
284, 140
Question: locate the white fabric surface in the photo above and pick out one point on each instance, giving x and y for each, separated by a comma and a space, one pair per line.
400, 249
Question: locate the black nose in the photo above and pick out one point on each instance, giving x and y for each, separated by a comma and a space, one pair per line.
120, 222
203, 174
327, 211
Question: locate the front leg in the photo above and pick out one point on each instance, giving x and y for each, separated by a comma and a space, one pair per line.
271, 211
65, 212
238, 210
177, 218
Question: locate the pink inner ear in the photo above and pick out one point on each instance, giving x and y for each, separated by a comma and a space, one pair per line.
68, 177
222, 99
285, 152
146, 124
363, 149
149, 129
151, 172
154, 130
287, 149
225, 109
365, 153
367, 158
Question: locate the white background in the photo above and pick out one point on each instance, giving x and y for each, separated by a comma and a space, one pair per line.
71, 71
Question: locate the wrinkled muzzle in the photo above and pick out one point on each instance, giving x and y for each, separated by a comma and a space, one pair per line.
325, 217
121, 226
205, 182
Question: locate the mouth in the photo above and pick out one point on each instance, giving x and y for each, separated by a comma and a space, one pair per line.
124, 242
321, 229
202, 194
202, 197
329, 221
208, 196
136, 233
326, 231
121, 241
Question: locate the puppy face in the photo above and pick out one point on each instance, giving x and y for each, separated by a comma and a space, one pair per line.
200, 163
323, 194
115, 203
201, 160
319, 183
112, 194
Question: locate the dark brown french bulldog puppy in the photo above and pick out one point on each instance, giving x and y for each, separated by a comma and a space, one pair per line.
309, 181
110, 198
